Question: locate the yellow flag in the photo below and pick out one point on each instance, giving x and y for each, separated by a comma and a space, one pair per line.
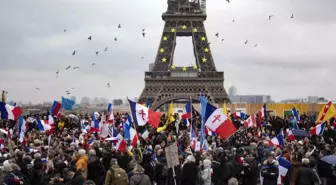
326, 113
171, 114
225, 109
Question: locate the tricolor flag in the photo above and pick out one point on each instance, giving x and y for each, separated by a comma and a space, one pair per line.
50, 119
134, 137
83, 129
208, 132
22, 128
193, 139
41, 126
187, 111
262, 113
250, 122
142, 115
9, 112
284, 166
317, 130
94, 123
145, 135
56, 108
110, 115
278, 140
240, 115
290, 136
217, 121
326, 113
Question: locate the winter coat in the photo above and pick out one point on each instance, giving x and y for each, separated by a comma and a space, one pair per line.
37, 175
78, 179
95, 170
189, 173
270, 172
293, 172
206, 172
82, 162
250, 173
161, 171
113, 179
140, 179
305, 176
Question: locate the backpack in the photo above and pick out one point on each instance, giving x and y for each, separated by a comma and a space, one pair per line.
199, 179
119, 177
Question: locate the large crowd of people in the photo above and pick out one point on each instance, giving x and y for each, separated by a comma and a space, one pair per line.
69, 157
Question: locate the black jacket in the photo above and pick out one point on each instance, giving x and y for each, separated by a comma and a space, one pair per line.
189, 173
270, 172
96, 170
304, 176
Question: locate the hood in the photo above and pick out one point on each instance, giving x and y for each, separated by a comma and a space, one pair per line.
274, 163
114, 166
94, 159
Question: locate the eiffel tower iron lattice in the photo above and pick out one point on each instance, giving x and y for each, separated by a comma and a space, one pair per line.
166, 82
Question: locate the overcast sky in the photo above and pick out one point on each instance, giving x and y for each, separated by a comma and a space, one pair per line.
294, 58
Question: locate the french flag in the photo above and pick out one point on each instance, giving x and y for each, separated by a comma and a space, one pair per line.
193, 139
83, 128
9, 112
290, 136
143, 115
91, 141
2, 143
23, 126
50, 118
284, 166
250, 122
94, 123
120, 142
110, 117
240, 115
187, 111
262, 113
217, 121
145, 135
56, 108
41, 126
134, 137
208, 132
317, 130
278, 140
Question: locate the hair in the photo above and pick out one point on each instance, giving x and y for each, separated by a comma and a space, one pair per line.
191, 158
305, 161
92, 152
89, 182
81, 152
37, 156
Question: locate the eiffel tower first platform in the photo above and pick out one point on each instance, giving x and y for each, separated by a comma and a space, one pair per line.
167, 82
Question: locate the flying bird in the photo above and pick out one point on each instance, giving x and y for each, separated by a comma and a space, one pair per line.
228, 1
67, 92
119, 26
64, 30
57, 72
74, 52
143, 34
217, 34
93, 64
68, 68
115, 39
37, 88
292, 16
142, 57
233, 20
97, 52
105, 49
246, 41
256, 45
143, 30
269, 17
90, 38
108, 85
222, 40
76, 68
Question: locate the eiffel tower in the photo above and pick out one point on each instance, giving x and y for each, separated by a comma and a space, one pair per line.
166, 82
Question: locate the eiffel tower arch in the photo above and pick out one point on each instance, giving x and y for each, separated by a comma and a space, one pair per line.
167, 82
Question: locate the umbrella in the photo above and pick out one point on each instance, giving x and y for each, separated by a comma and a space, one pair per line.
300, 133
331, 159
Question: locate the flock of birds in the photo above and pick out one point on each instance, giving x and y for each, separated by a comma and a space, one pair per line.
144, 35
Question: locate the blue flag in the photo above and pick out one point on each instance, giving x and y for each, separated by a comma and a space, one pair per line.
296, 118
67, 104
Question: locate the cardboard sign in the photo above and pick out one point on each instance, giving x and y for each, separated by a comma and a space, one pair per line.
172, 155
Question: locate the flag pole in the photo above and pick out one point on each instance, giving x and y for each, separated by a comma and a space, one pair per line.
191, 120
